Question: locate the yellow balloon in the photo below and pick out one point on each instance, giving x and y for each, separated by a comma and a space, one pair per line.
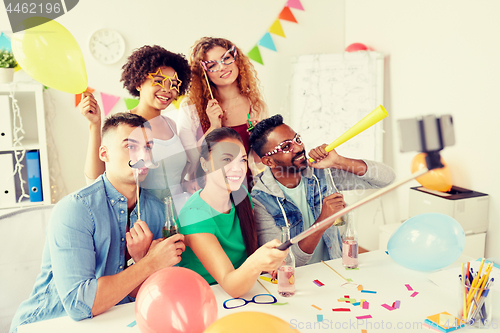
50, 55
250, 322
437, 179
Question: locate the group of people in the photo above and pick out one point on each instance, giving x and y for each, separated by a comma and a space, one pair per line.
248, 174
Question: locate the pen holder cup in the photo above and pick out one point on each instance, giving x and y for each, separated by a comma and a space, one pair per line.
477, 304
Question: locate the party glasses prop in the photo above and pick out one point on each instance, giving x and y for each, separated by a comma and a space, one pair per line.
234, 303
175, 83
227, 59
286, 146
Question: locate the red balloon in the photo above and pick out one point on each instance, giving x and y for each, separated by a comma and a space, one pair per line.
356, 47
175, 299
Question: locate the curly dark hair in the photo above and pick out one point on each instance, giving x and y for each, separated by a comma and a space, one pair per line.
146, 60
258, 136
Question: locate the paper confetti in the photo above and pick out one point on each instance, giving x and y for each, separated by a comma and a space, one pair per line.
409, 287
356, 304
366, 305
132, 324
347, 300
368, 291
342, 309
318, 283
364, 317
388, 307
320, 318
280, 303
314, 306
414, 294
396, 304
360, 287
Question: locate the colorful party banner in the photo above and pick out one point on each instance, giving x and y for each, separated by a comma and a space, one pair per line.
277, 29
5, 42
78, 97
287, 15
267, 41
131, 103
254, 54
294, 4
108, 102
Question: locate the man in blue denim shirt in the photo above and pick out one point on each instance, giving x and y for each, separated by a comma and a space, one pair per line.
85, 270
292, 191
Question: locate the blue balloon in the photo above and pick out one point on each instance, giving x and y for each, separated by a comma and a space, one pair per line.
427, 242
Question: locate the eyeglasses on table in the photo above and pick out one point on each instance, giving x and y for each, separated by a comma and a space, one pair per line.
238, 302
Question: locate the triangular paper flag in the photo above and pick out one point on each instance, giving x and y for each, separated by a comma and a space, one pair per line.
177, 101
287, 15
277, 29
254, 54
131, 103
267, 41
78, 97
294, 4
5, 42
108, 102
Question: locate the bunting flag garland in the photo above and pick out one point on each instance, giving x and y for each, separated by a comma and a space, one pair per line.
287, 15
131, 103
267, 41
254, 54
108, 102
294, 4
78, 97
276, 29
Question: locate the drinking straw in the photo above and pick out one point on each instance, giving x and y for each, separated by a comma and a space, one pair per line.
335, 271
264, 287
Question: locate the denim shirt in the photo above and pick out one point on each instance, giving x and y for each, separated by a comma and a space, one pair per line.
273, 209
85, 240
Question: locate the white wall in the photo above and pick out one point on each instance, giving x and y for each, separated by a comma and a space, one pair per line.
442, 58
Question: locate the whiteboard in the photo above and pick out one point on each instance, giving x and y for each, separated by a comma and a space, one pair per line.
332, 92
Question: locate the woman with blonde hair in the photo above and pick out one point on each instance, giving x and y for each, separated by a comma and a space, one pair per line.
224, 93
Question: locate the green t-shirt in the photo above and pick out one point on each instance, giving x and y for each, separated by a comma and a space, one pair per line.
198, 217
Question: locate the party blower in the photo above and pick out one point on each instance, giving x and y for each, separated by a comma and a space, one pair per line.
428, 134
368, 121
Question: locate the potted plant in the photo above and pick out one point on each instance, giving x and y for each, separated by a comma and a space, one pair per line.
7, 64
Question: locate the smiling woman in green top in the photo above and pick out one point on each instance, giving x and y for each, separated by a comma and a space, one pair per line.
218, 222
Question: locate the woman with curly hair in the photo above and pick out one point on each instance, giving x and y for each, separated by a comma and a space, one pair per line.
224, 93
157, 77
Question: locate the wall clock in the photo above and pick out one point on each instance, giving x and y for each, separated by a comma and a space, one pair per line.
107, 46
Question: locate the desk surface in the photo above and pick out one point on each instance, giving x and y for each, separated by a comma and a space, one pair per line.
377, 272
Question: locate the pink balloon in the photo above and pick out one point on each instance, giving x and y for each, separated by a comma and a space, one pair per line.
175, 299
356, 47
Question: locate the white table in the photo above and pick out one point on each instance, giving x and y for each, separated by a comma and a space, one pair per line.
377, 272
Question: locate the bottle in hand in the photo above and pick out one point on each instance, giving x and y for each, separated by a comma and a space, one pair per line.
170, 227
350, 243
286, 272
330, 189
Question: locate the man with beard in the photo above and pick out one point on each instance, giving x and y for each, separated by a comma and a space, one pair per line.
292, 191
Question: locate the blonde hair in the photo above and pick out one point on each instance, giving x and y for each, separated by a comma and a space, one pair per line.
248, 83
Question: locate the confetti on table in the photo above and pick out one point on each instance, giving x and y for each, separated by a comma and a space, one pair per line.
396, 304
347, 296
388, 307
280, 303
347, 300
318, 283
268, 279
363, 300
349, 280
364, 317
320, 318
409, 287
360, 287
132, 324
386, 252
342, 309
356, 304
366, 305
314, 306
368, 291
414, 294
393, 304
364, 331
